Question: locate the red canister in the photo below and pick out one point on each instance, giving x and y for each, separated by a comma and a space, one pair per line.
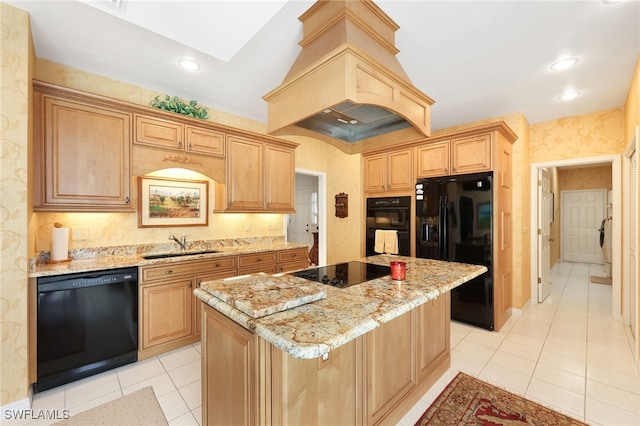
398, 271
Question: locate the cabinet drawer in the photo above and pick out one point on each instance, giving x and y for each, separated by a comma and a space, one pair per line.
256, 259
292, 255
221, 264
265, 267
293, 266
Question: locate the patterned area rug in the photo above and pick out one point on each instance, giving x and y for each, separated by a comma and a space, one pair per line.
469, 401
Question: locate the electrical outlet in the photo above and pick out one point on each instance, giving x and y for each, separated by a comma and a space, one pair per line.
80, 234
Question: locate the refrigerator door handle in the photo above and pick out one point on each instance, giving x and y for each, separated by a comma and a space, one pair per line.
445, 228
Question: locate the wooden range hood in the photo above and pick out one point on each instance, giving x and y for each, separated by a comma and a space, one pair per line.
346, 87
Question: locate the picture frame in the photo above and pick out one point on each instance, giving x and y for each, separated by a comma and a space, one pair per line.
167, 202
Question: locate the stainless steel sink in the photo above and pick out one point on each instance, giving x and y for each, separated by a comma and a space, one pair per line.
178, 254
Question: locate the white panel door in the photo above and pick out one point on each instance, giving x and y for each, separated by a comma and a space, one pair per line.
305, 221
582, 214
545, 198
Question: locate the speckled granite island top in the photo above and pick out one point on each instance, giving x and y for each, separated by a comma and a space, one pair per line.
313, 329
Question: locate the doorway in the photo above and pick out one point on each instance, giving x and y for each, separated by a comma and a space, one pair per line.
615, 162
310, 216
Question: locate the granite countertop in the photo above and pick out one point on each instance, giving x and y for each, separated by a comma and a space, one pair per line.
313, 329
127, 260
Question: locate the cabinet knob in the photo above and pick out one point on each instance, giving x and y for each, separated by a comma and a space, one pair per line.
179, 144
190, 284
217, 265
168, 271
259, 259
189, 147
199, 282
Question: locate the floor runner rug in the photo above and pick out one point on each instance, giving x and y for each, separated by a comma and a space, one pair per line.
469, 401
140, 408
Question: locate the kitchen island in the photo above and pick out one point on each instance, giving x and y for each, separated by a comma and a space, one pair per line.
285, 350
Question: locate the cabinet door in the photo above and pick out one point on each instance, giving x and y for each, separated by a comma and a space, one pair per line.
230, 394
471, 154
432, 160
400, 170
279, 178
87, 152
204, 141
391, 344
375, 173
432, 333
166, 312
244, 186
158, 133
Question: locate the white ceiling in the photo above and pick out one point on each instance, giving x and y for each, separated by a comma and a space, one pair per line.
476, 59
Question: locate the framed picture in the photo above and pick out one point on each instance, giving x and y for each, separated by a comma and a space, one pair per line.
484, 215
172, 202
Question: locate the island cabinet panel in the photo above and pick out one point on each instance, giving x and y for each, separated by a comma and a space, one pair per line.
373, 379
389, 365
432, 330
299, 384
82, 153
229, 372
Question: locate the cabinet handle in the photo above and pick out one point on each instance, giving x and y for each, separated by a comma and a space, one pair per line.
259, 259
179, 144
189, 147
168, 271
295, 254
190, 284
217, 265
126, 200
199, 282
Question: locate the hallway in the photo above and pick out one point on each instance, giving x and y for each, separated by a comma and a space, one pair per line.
567, 353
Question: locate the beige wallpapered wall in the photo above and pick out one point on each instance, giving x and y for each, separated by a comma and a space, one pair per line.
15, 76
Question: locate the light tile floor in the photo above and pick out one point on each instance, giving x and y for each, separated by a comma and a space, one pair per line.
567, 353
175, 377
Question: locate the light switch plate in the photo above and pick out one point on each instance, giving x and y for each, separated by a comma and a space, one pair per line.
80, 234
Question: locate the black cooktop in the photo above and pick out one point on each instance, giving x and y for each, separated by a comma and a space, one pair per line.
345, 274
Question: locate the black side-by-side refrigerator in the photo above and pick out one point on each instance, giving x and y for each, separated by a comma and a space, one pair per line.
453, 223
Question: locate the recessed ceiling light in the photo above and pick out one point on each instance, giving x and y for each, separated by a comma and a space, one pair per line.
189, 64
567, 96
564, 64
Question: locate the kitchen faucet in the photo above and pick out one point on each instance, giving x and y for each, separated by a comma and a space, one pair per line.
182, 241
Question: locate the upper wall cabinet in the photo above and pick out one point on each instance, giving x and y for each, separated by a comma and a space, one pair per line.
82, 152
388, 171
470, 154
175, 135
260, 176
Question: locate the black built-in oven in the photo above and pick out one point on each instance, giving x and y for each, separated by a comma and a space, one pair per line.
389, 213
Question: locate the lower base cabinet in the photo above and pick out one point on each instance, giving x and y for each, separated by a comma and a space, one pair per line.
372, 380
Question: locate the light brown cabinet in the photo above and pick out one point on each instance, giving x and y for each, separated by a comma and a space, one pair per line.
170, 315
471, 154
380, 375
176, 135
388, 171
82, 152
292, 260
260, 177
257, 262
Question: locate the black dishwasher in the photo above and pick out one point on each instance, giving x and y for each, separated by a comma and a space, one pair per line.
87, 324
